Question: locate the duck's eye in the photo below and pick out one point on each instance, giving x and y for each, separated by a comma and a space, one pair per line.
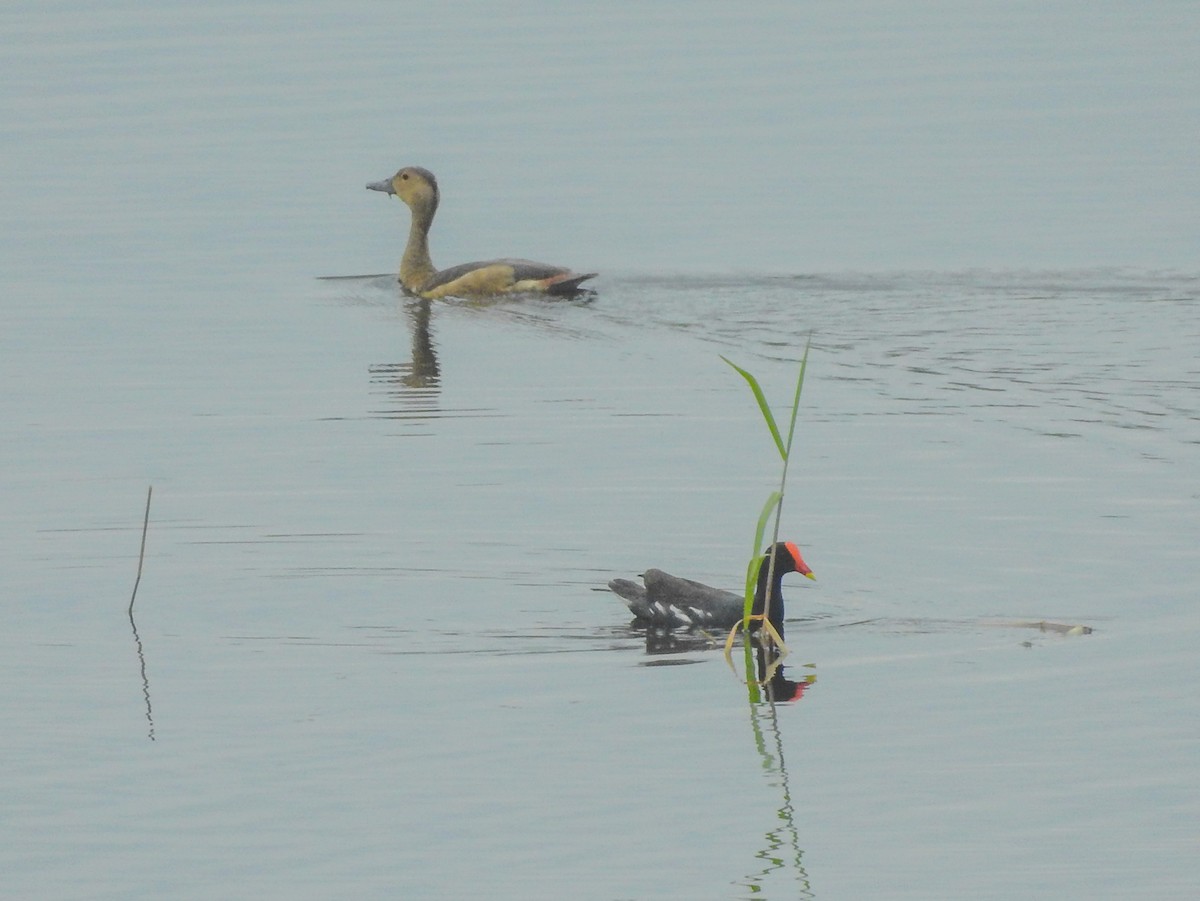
404, 176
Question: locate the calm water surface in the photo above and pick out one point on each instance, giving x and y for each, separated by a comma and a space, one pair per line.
371, 654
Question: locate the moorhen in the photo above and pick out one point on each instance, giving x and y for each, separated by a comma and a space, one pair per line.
669, 601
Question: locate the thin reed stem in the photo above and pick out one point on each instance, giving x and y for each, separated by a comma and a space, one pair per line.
142, 552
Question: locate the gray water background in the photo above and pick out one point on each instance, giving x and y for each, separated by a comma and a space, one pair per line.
371, 659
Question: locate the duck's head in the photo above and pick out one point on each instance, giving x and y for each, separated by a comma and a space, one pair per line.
415, 186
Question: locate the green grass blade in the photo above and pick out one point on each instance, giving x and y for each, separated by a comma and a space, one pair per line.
762, 405
796, 400
752, 570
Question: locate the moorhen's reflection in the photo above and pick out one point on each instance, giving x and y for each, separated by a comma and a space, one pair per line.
770, 673
661, 641
412, 387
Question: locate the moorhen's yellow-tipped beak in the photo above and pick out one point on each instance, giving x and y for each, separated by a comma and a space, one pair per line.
798, 561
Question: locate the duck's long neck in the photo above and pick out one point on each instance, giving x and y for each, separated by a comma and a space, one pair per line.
771, 599
416, 268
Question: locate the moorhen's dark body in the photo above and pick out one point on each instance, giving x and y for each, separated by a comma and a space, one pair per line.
671, 602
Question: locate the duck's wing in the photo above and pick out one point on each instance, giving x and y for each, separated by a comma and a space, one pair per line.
506, 276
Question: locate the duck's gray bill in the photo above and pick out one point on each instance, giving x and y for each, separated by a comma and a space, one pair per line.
385, 186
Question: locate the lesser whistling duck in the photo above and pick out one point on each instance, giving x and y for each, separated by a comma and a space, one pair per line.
670, 601
418, 188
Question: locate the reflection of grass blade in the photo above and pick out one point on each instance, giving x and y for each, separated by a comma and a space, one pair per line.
764, 406
752, 686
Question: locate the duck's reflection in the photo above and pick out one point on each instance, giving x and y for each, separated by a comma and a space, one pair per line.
412, 387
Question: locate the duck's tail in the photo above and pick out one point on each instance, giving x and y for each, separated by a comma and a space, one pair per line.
568, 287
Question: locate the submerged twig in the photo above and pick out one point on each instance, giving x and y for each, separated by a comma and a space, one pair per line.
133, 625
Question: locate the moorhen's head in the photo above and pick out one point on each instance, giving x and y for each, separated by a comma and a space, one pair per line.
787, 560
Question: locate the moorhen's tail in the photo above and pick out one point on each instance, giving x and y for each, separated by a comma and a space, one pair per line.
672, 602
634, 596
